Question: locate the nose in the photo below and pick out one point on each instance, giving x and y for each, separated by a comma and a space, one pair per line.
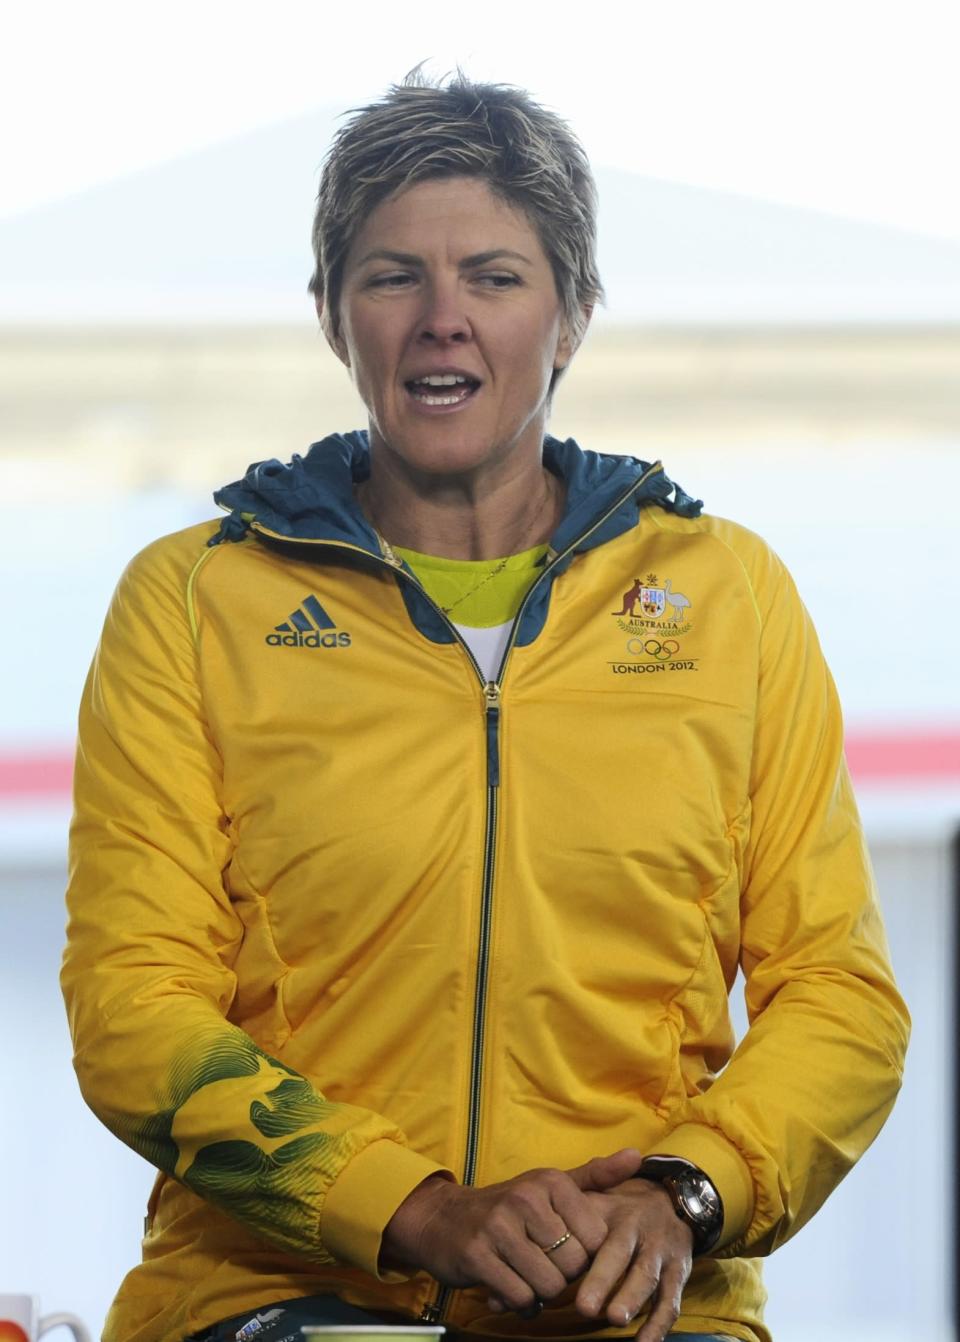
444, 316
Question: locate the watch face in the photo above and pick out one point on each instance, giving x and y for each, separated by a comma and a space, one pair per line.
705, 1197
699, 1198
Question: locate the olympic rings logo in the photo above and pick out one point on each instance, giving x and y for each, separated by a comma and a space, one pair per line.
651, 647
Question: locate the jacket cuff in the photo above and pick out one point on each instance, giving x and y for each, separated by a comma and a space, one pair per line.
725, 1167
364, 1197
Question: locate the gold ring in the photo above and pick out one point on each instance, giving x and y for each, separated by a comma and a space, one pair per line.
557, 1242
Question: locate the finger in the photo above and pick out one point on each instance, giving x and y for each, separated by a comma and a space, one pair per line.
496, 1306
558, 1243
528, 1261
547, 1228
666, 1308
579, 1216
608, 1268
521, 1211
605, 1172
505, 1285
571, 1259
642, 1283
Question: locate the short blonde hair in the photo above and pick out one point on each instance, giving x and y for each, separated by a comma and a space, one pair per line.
420, 130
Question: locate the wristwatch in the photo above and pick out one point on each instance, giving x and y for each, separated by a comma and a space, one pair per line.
694, 1198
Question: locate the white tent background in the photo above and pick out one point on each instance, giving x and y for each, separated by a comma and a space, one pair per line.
223, 234
840, 111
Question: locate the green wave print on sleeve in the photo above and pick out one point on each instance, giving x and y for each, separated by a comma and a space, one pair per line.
277, 1142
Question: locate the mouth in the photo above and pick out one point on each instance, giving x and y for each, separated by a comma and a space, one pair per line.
442, 390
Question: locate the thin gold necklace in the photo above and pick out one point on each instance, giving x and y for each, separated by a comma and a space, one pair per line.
488, 577
501, 565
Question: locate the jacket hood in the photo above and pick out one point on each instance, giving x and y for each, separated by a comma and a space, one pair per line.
311, 498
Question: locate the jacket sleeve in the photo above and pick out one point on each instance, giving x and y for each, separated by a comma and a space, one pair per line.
817, 1072
148, 974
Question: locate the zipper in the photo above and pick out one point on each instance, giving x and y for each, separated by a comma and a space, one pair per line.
434, 1312
492, 697
492, 693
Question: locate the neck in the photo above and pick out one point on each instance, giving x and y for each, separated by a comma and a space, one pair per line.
463, 518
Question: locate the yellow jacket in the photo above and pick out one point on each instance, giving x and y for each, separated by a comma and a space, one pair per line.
341, 915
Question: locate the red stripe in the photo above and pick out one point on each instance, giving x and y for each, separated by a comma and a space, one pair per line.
44, 775
930, 757
919, 756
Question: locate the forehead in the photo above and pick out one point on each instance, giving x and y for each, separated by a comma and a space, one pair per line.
461, 214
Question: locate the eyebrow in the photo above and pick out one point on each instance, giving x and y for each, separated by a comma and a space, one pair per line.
468, 262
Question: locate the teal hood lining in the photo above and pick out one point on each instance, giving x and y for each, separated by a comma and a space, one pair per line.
312, 498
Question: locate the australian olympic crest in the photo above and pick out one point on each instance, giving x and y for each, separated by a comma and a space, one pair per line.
656, 618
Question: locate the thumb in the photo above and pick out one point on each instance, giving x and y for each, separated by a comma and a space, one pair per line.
605, 1172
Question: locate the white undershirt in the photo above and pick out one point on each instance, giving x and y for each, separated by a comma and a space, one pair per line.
487, 645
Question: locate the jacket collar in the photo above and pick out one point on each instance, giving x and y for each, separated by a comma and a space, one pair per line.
311, 498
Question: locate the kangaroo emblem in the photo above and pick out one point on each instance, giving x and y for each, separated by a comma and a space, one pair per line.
630, 599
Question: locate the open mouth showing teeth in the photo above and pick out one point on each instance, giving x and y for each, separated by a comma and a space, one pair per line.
442, 388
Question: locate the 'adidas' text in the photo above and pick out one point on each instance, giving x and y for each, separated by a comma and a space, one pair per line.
313, 640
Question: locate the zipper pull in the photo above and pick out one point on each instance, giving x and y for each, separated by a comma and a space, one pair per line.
389, 554
429, 1314
491, 697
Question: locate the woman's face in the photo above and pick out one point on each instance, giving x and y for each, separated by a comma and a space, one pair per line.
446, 281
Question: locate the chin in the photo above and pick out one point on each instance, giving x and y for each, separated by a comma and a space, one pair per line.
438, 454
453, 460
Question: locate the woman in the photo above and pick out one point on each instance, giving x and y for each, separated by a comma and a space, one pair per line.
426, 807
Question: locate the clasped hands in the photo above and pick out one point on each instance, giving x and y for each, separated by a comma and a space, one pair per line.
619, 1234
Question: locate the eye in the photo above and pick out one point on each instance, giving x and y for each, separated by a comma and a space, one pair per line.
396, 279
499, 280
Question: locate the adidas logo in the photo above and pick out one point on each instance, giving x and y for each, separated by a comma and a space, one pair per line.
303, 629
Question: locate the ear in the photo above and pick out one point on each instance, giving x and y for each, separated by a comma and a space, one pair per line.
335, 341
568, 344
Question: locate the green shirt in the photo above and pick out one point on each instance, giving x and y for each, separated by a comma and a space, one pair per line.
478, 593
